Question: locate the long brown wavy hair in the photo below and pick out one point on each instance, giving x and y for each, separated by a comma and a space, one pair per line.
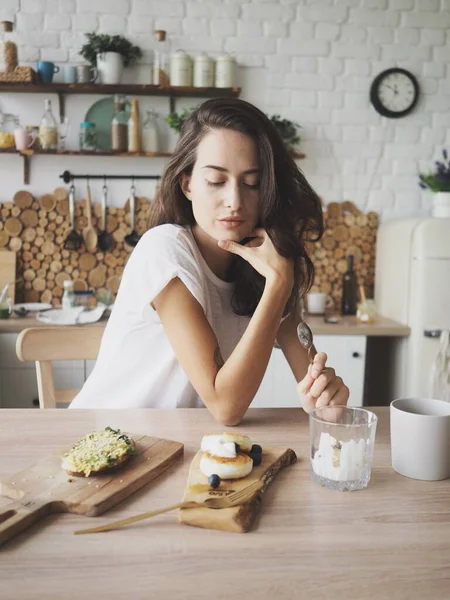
290, 210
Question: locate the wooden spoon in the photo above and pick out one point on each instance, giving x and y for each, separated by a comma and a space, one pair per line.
89, 233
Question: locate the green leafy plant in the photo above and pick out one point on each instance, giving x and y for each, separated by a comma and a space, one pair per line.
439, 181
288, 131
176, 120
100, 42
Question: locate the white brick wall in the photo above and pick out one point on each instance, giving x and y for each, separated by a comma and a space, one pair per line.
309, 60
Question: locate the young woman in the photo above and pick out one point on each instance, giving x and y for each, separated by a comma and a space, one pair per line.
215, 282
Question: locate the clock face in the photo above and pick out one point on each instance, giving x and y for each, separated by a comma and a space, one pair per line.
394, 93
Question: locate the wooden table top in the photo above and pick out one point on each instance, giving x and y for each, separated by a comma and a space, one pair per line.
390, 541
348, 325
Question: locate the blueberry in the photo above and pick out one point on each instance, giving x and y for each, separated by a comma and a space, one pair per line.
256, 458
238, 448
256, 449
214, 481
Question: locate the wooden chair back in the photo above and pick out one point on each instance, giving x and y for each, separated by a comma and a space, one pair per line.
47, 344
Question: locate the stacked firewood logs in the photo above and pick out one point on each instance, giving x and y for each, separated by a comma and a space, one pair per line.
348, 231
37, 228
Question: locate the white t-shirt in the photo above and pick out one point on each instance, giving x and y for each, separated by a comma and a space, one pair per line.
136, 366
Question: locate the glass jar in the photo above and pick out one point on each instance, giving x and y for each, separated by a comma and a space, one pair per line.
160, 71
8, 123
88, 136
150, 133
48, 129
366, 311
8, 49
68, 299
119, 125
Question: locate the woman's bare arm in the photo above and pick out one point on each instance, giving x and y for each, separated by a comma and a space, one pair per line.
226, 387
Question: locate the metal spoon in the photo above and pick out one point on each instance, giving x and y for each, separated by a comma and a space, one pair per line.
305, 336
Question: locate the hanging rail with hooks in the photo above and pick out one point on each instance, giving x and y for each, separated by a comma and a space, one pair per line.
67, 177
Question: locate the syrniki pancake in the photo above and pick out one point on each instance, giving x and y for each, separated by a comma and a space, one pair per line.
226, 467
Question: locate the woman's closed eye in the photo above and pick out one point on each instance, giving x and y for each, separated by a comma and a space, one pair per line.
253, 186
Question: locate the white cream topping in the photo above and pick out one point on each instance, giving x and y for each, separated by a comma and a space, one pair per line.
217, 447
340, 461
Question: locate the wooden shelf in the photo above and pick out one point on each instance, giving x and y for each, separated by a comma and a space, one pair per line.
26, 155
62, 89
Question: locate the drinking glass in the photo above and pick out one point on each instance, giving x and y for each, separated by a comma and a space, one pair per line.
63, 130
342, 440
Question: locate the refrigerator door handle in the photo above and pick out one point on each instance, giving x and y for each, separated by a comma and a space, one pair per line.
432, 333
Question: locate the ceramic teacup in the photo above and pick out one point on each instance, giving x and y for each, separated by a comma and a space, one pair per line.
420, 438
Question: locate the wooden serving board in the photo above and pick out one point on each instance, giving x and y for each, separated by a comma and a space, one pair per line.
46, 488
238, 518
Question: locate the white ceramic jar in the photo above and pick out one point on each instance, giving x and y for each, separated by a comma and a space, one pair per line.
203, 71
225, 71
180, 69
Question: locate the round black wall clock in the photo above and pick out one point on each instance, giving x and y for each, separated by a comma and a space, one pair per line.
394, 93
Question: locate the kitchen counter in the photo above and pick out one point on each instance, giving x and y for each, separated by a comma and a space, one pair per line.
346, 326
391, 540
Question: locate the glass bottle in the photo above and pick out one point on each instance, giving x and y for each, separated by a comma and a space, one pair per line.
48, 129
68, 299
161, 59
119, 125
349, 289
150, 133
134, 129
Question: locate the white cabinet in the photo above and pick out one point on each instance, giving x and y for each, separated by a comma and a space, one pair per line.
346, 354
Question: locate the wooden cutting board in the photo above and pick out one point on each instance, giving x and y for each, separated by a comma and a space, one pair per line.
8, 271
46, 488
238, 518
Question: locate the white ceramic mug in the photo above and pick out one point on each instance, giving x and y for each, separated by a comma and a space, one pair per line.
420, 438
317, 302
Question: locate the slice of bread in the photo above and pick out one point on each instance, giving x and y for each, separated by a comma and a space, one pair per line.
99, 452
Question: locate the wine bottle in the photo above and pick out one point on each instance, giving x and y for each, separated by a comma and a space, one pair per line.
349, 289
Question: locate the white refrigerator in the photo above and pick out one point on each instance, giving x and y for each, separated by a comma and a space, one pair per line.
412, 286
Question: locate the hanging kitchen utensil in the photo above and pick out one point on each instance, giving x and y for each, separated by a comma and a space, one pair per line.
132, 238
89, 233
105, 239
73, 240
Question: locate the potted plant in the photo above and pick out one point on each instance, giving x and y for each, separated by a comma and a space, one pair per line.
176, 120
109, 53
288, 132
438, 182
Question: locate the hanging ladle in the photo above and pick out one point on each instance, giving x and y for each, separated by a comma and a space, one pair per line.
132, 238
73, 240
105, 239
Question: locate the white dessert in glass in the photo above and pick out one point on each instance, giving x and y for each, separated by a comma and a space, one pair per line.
342, 441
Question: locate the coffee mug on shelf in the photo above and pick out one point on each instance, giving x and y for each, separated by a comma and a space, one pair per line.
69, 74
86, 74
46, 70
24, 138
318, 302
420, 438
